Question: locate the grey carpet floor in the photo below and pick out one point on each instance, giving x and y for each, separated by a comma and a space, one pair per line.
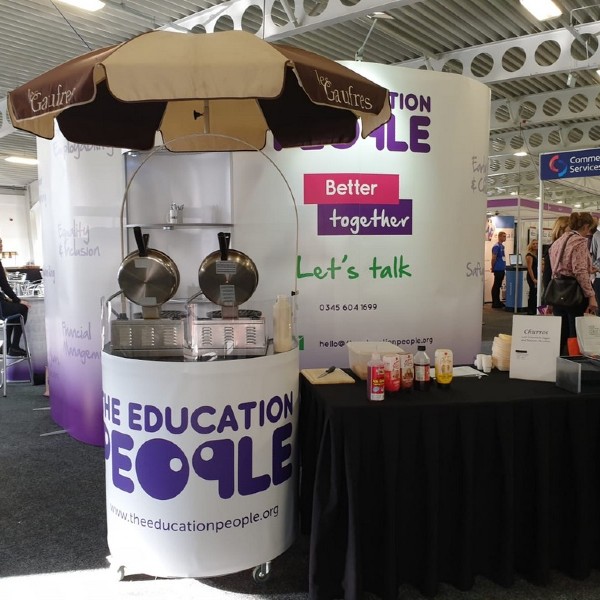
53, 530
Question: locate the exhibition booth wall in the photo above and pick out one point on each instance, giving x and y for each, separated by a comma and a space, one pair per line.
390, 226
388, 243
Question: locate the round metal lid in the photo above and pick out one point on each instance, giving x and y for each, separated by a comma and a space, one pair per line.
148, 277
227, 277
149, 280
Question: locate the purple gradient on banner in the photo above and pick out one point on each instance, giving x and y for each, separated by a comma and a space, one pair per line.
365, 219
80, 414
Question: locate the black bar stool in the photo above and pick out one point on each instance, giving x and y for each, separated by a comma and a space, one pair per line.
10, 361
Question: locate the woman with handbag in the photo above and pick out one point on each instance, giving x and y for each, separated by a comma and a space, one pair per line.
571, 269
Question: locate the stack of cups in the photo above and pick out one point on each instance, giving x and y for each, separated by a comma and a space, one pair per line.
501, 351
483, 362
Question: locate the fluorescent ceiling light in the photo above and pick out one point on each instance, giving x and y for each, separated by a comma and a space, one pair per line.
21, 160
542, 9
380, 15
521, 153
91, 5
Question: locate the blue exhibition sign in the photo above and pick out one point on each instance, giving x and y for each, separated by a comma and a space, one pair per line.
564, 165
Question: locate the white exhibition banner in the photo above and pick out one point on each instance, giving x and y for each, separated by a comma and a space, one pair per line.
201, 463
390, 244
535, 345
81, 188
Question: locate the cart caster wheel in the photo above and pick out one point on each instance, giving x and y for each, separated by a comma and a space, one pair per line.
120, 573
262, 573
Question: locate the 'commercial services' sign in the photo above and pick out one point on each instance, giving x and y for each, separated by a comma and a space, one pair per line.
564, 165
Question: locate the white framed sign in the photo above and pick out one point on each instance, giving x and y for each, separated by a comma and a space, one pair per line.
534, 347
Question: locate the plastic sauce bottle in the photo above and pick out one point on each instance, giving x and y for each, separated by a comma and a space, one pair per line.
422, 364
375, 378
407, 372
443, 367
282, 324
392, 372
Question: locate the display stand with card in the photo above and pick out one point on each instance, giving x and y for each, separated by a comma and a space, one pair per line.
582, 373
535, 347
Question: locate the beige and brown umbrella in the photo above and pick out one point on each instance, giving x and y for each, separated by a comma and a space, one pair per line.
231, 84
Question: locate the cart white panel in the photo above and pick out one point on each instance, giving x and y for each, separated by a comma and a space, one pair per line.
201, 463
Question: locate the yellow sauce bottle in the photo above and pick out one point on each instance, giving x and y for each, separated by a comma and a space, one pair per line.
443, 367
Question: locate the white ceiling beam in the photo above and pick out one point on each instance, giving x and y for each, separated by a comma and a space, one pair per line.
554, 138
335, 12
565, 63
511, 113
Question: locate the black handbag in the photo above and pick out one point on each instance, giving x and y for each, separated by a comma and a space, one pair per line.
563, 291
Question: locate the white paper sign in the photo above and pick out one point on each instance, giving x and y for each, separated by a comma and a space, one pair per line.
534, 348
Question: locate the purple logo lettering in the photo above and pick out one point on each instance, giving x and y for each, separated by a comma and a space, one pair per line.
247, 483
281, 453
162, 469
214, 461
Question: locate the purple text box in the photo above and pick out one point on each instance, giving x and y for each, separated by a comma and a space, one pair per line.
365, 219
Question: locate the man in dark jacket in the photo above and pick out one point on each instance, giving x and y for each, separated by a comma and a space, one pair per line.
11, 304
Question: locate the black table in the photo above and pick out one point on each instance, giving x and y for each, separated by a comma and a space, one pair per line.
491, 477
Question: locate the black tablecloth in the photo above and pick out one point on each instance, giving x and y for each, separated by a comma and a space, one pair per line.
490, 477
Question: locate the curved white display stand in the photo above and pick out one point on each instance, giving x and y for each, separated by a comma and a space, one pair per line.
201, 463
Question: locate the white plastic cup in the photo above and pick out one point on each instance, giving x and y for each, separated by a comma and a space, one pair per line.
479, 361
486, 362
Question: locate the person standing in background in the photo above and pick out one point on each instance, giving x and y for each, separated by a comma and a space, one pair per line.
575, 261
498, 269
11, 304
531, 260
560, 227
